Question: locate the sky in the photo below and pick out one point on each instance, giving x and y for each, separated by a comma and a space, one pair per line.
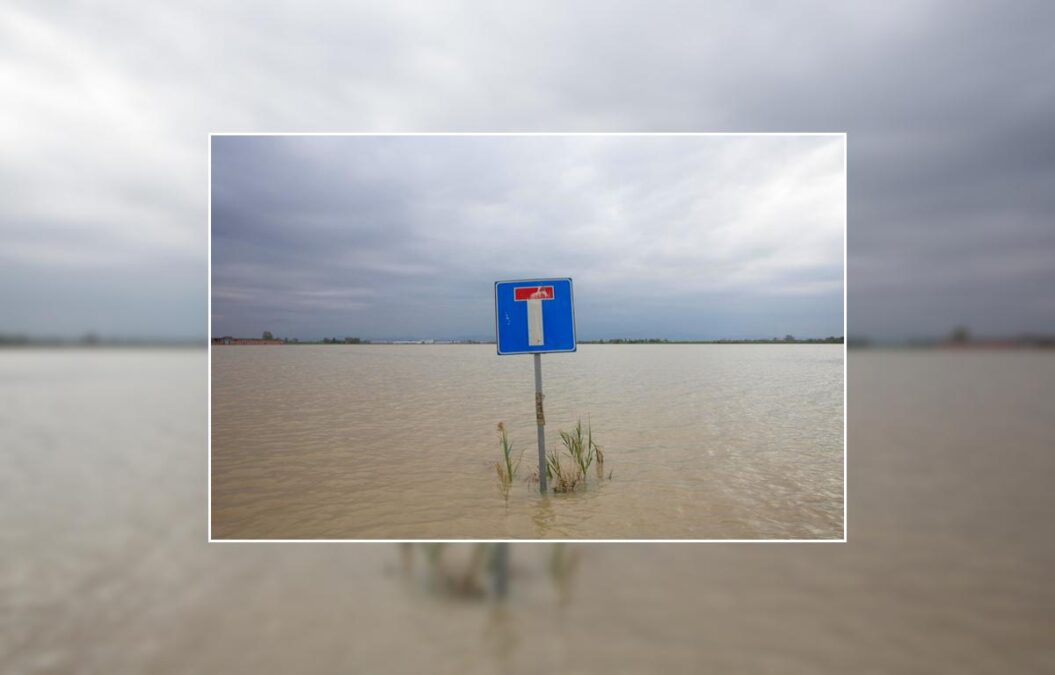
676, 237
107, 109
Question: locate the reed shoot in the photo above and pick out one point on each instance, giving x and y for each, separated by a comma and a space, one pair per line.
562, 480
506, 470
583, 451
579, 447
597, 451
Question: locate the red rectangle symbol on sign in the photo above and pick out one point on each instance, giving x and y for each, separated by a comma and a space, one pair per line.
533, 293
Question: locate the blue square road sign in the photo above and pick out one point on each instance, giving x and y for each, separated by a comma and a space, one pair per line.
534, 316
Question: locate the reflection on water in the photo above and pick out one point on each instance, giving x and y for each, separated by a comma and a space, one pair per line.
702, 441
479, 569
106, 568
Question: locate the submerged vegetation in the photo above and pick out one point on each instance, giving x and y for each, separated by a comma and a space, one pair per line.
565, 471
506, 470
583, 452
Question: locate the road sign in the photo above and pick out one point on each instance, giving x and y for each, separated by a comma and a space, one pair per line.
534, 316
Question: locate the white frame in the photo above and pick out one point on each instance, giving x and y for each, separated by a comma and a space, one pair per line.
846, 194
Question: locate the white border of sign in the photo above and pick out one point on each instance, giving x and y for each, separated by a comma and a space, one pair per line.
574, 335
846, 210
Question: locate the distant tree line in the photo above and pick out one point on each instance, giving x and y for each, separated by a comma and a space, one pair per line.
268, 335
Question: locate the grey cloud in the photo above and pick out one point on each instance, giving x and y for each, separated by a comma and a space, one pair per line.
947, 106
426, 224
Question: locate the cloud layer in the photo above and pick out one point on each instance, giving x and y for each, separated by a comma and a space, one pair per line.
107, 110
671, 236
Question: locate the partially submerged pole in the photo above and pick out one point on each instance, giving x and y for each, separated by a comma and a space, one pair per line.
540, 419
521, 309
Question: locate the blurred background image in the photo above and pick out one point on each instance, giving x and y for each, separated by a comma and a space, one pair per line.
103, 389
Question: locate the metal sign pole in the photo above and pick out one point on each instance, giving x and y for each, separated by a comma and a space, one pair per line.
521, 308
540, 419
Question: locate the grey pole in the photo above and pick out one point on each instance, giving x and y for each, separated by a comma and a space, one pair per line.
540, 419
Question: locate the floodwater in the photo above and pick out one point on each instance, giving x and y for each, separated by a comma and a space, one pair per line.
106, 568
399, 442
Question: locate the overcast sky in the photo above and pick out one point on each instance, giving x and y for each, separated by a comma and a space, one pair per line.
106, 110
669, 236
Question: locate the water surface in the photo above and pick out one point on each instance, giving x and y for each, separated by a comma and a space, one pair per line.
386, 441
106, 568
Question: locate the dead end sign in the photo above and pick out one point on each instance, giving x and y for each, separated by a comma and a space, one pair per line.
534, 316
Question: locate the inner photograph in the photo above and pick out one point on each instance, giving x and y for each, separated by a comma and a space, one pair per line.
560, 337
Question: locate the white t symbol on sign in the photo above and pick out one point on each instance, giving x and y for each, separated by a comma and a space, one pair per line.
534, 295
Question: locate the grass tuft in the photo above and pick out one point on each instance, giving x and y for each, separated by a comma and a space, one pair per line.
583, 452
562, 480
564, 475
506, 470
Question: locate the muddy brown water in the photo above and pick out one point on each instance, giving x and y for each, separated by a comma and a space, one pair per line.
395, 442
105, 566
